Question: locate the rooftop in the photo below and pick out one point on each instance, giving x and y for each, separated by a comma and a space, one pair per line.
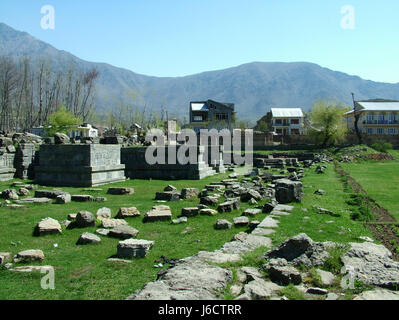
377, 106
287, 112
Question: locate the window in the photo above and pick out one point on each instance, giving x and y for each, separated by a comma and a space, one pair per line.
294, 121
391, 130
380, 130
197, 118
279, 131
294, 131
221, 116
370, 117
278, 121
369, 130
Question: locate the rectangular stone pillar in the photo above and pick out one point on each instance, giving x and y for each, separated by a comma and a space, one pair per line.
79, 165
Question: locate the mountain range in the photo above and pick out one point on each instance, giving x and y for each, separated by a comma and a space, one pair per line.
254, 87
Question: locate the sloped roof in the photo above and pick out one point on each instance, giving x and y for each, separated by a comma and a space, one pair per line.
379, 106
199, 106
204, 105
376, 106
287, 112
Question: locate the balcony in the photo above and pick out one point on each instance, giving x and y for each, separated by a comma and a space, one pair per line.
381, 122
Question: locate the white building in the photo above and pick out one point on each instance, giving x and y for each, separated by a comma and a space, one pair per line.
84, 131
287, 121
376, 117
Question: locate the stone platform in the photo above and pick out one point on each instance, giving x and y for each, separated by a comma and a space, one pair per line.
138, 168
79, 165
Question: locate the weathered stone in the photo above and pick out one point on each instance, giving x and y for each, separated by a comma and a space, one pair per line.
158, 213
82, 198
127, 213
320, 192
223, 224
180, 220
319, 291
112, 223
72, 216
85, 219
236, 289
209, 201
88, 238
371, 264
120, 190
61, 138
189, 193
48, 226
189, 212
29, 269
173, 196
52, 194
103, 213
170, 188
10, 194
4, 257
229, 206
134, 248
208, 212
250, 194
269, 207
253, 224
268, 222
63, 198
29, 255
100, 199
190, 279
102, 232
33, 200
280, 273
327, 278
251, 212
218, 257
241, 221
378, 294
300, 250
22, 192
288, 191
259, 289
262, 231
123, 232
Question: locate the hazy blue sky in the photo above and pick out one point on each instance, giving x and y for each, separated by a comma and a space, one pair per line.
181, 37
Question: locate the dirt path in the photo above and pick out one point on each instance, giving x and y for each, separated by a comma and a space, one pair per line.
382, 228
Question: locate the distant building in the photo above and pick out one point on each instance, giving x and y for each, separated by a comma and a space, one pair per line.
211, 114
287, 121
84, 131
377, 117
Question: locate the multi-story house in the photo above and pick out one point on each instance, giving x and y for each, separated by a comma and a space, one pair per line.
211, 114
377, 117
287, 121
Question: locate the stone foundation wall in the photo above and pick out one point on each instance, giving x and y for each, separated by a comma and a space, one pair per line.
79, 165
138, 168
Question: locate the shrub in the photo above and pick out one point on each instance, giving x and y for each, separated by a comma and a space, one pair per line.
382, 146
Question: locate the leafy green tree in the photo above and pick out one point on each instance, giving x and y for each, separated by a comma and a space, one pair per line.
326, 123
62, 121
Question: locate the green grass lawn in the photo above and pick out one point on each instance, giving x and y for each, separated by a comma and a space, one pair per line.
380, 180
83, 272
321, 227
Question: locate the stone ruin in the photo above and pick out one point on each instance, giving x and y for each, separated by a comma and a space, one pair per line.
79, 165
138, 168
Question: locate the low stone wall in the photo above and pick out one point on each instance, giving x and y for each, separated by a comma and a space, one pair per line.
138, 168
79, 165
7, 170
